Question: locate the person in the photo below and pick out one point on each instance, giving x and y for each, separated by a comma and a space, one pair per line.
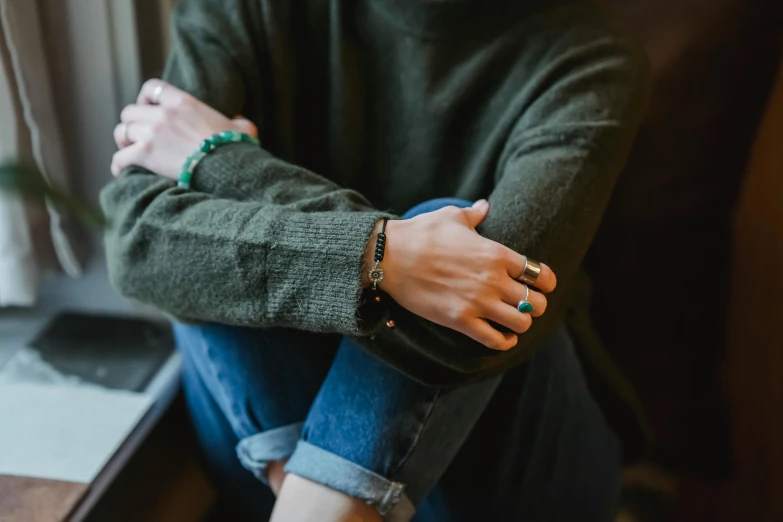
373, 399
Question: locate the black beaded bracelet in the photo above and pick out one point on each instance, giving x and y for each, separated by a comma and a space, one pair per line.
376, 272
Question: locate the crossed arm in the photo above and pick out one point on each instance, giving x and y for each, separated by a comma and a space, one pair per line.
269, 229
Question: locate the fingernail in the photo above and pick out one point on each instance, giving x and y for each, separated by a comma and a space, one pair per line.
480, 203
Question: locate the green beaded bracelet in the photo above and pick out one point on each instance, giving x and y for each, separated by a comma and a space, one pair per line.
207, 146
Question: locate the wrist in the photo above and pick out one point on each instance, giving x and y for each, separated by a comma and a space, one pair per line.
229, 167
207, 146
371, 251
369, 254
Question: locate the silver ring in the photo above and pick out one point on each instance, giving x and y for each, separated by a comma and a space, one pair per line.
126, 130
157, 92
524, 305
531, 271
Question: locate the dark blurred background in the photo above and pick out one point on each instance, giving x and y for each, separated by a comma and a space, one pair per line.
690, 253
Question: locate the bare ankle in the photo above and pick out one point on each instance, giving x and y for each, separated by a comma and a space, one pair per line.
276, 475
301, 500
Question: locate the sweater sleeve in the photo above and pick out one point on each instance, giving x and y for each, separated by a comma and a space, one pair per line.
261, 242
562, 161
579, 116
292, 255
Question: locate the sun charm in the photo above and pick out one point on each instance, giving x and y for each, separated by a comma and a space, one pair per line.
376, 276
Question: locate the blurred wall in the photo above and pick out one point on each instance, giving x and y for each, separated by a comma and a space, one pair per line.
754, 363
660, 262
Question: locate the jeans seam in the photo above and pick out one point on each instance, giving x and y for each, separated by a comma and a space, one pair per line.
415, 441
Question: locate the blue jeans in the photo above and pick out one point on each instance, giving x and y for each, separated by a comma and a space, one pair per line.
346, 420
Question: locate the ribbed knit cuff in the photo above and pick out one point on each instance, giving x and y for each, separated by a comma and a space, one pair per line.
318, 259
315, 258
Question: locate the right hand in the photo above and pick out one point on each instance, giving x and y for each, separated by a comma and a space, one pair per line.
437, 266
159, 137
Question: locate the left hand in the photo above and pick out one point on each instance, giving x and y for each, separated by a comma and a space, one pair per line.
160, 136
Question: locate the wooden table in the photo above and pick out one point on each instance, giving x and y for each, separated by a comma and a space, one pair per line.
25, 499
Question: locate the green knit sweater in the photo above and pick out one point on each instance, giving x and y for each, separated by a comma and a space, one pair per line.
365, 108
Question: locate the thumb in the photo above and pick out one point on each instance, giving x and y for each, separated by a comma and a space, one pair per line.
477, 212
242, 124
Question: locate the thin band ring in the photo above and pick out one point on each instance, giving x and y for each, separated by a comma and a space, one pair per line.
126, 132
524, 305
157, 92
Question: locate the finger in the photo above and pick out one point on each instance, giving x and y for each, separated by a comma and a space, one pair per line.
476, 213
167, 96
142, 113
120, 137
138, 132
514, 292
479, 330
128, 157
242, 124
147, 91
509, 316
546, 281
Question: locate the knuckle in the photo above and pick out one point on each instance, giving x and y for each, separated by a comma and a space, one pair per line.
461, 314
478, 301
493, 281
448, 212
251, 129
494, 254
505, 256
490, 278
169, 113
184, 101
486, 255
146, 146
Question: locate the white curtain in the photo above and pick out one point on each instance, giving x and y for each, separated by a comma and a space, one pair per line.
29, 133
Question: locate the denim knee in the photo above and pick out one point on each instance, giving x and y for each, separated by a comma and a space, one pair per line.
263, 382
377, 435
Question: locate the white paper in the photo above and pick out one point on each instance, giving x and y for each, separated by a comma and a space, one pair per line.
64, 432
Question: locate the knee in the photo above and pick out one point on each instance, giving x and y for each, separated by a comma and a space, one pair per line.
435, 204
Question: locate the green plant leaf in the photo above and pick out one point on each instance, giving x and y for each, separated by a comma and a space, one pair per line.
28, 183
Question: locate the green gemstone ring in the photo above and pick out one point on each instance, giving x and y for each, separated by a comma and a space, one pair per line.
524, 305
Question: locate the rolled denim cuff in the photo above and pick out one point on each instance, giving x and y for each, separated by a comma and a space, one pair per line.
324, 467
257, 451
